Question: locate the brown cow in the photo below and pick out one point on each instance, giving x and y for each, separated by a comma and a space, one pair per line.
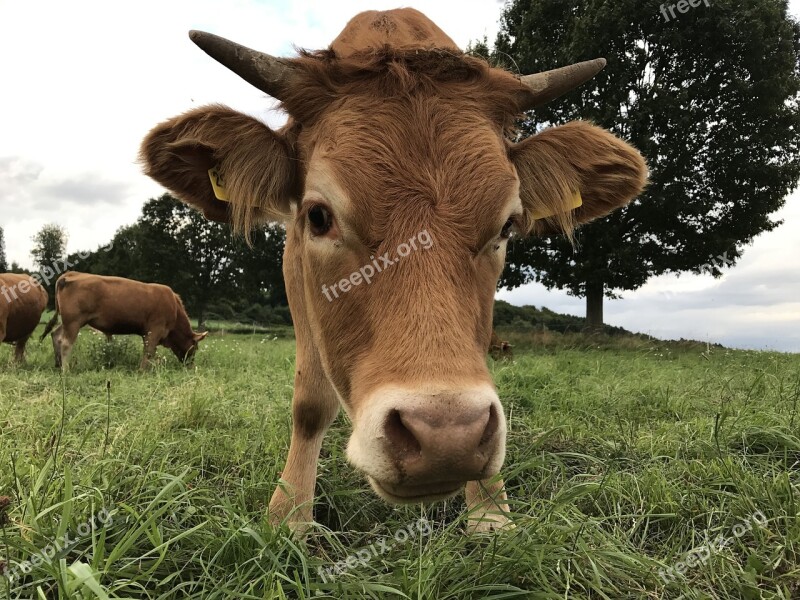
117, 306
22, 302
394, 133
499, 349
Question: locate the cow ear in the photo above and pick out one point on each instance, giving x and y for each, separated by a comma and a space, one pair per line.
251, 165
575, 173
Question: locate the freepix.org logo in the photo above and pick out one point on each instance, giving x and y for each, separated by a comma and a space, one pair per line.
46, 274
52, 551
384, 545
378, 265
683, 7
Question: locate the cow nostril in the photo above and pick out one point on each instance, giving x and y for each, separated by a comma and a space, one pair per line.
404, 442
491, 426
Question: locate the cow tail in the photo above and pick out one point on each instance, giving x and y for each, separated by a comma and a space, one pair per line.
49, 327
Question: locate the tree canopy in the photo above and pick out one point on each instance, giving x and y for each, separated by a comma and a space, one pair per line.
49, 246
709, 97
49, 252
215, 273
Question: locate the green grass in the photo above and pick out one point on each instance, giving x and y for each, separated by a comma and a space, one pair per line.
624, 456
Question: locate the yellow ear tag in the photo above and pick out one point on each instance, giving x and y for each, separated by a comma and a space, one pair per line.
218, 185
574, 202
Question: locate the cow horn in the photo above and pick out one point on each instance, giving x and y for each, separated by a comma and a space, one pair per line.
267, 73
549, 85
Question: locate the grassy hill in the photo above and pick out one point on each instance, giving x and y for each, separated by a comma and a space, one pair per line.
529, 318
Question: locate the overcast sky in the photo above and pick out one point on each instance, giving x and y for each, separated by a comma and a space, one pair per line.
83, 82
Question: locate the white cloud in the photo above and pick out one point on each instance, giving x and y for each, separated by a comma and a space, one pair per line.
85, 80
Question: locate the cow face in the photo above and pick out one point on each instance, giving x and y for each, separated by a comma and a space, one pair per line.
401, 253
399, 189
184, 345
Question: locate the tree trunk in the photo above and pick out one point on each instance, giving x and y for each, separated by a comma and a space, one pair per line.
594, 307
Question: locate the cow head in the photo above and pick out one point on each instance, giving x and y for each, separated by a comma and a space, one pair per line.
399, 187
186, 348
182, 340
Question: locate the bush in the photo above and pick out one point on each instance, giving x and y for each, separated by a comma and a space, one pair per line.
121, 351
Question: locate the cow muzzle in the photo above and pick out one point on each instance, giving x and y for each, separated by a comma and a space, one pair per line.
422, 447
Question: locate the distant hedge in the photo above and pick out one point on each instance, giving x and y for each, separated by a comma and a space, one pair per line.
530, 318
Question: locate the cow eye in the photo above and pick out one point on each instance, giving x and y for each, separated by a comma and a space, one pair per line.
506, 232
320, 219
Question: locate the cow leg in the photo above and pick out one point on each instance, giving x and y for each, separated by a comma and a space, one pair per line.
63, 340
314, 408
56, 337
151, 340
19, 350
109, 338
487, 505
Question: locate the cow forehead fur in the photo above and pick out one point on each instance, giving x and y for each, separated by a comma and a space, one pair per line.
406, 29
405, 117
404, 167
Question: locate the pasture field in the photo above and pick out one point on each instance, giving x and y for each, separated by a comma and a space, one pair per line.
628, 463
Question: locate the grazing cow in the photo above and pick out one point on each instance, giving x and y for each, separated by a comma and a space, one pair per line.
499, 349
22, 302
395, 137
117, 306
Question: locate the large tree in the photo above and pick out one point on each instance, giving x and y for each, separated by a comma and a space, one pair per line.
710, 97
3, 260
207, 263
181, 248
209, 267
122, 256
260, 266
49, 252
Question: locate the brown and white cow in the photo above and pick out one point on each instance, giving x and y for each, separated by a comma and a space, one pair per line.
22, 302
393, 132
118, 306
